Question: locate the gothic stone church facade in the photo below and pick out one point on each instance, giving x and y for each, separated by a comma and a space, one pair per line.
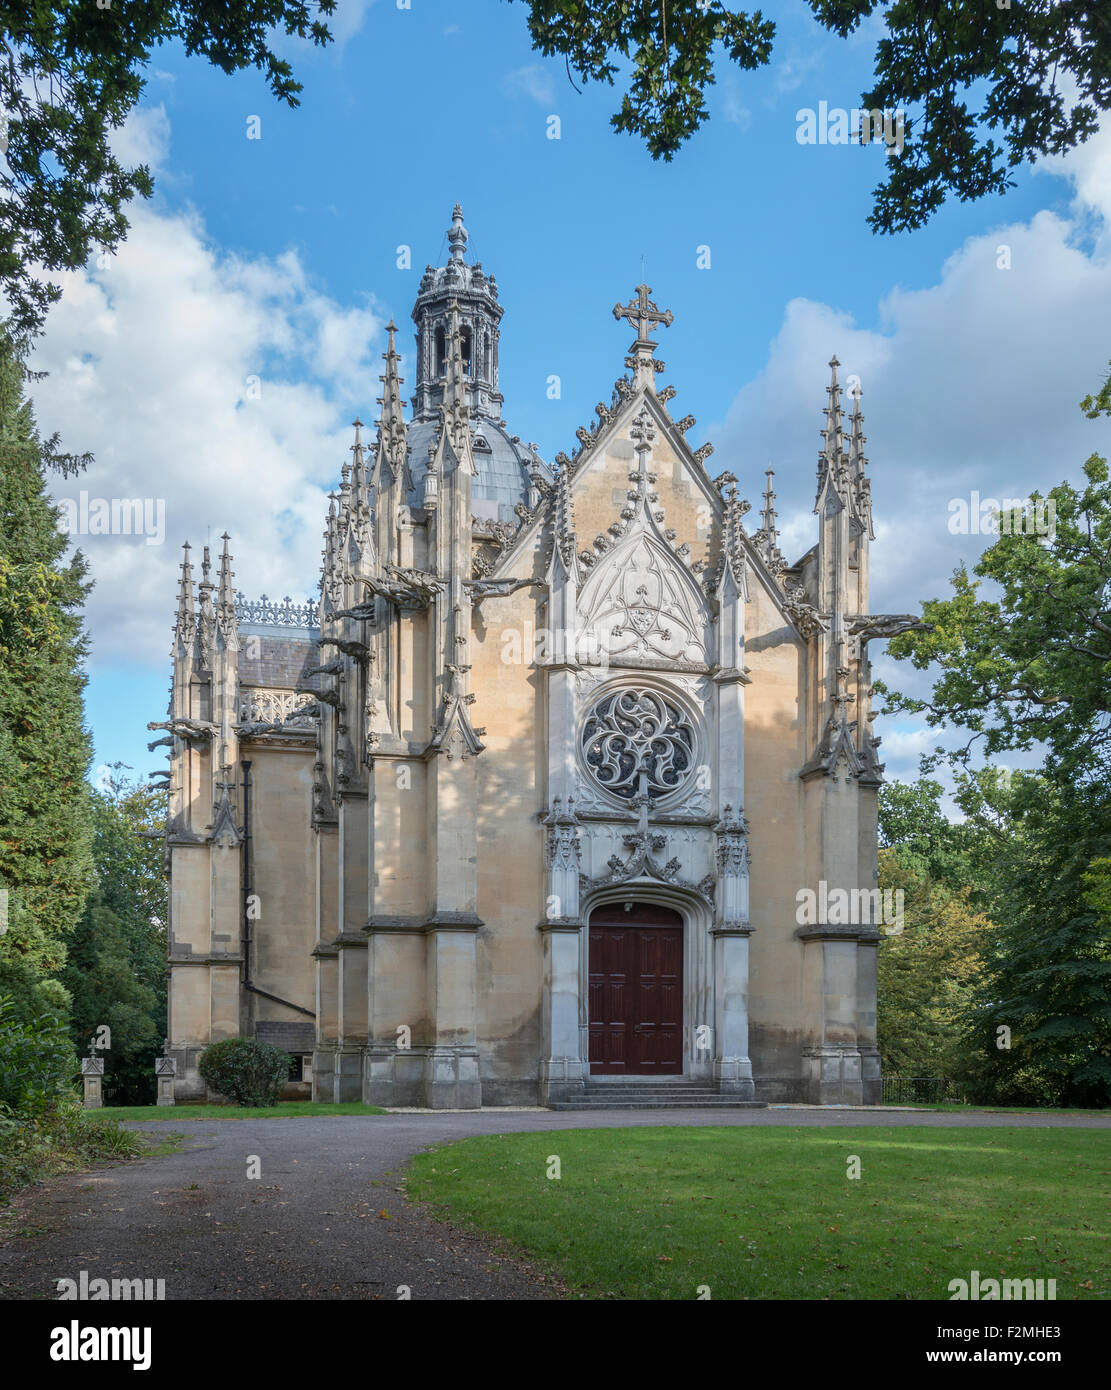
522, 806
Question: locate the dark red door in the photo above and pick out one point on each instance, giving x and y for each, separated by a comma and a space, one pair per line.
636, 991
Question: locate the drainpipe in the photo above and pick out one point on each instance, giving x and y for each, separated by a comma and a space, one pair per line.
246, 873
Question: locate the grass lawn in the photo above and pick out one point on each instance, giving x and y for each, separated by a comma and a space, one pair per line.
957, 1108
284, 1110
770, 1212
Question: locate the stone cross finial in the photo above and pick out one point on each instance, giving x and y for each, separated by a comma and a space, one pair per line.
642, 313
644, 316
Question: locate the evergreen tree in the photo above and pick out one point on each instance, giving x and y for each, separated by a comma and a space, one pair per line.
44, 747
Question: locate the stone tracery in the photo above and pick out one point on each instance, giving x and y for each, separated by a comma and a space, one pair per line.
636, 731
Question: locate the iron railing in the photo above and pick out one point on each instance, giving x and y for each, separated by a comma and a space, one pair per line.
921, 1090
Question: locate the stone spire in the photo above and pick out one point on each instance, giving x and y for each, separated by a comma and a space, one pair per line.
766, 539
832, 456
391, 422
358, 466
225, 611
644, 316
733, 531
331, 582
563, 523
457, 234
207, 624
858, 465
456, 410
185, 627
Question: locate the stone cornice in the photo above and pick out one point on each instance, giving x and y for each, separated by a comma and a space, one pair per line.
731, 675
829, 931
422, 925
562, 924
213, 958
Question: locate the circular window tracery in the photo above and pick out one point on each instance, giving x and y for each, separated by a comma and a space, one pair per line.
629, 732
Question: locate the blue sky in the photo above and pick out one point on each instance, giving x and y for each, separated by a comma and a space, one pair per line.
277, 258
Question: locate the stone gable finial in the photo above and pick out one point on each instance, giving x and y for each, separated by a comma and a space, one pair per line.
644, 316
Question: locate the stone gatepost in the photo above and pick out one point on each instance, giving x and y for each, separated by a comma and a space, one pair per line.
165, 1071
92, 1070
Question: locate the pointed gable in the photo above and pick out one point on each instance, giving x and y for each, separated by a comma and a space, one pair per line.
641, 603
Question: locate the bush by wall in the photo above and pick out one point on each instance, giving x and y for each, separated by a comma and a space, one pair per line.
245, 1070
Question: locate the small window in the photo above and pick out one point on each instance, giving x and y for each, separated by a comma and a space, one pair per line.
482, 445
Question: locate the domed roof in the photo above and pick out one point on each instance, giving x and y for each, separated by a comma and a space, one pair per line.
502, 460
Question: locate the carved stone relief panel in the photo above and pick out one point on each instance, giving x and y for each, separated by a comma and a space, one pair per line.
639, 606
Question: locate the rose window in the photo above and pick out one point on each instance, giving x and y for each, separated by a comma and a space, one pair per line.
635, 733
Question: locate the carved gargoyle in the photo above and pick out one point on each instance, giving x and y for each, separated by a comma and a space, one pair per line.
482, 589
359, 650
188, 728
407, 587
803, 613
865, 626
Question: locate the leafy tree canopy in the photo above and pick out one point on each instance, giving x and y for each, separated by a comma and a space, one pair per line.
1021, 658
70, 74
983, 87
116, 966
1029, 665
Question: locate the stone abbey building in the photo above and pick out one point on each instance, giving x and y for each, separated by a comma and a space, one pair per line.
523, 805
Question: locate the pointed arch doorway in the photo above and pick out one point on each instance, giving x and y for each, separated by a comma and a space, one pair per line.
636, 990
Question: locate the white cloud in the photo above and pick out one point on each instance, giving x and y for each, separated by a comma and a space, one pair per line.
149, 362
971, 383
1088, 166
144, 138
347, 20
734, 111
793, 71
532, 81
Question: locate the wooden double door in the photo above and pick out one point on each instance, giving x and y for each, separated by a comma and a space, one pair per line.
636, 990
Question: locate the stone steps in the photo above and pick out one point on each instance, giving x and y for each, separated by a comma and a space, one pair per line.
657, 1097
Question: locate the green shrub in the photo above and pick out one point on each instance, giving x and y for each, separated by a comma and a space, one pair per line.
245, 1070
64, 1136
37, 1062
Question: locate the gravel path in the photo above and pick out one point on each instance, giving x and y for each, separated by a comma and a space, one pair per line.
325, 1218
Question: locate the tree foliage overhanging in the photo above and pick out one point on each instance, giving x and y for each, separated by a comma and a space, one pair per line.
69, 76
984, 87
